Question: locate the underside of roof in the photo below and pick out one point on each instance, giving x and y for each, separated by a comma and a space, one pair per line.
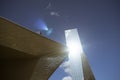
25, 55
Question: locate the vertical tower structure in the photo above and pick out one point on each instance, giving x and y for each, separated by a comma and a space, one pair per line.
79, 67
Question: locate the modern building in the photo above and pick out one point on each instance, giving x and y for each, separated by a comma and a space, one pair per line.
25, 55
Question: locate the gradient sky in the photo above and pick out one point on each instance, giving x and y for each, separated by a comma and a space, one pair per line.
98, 23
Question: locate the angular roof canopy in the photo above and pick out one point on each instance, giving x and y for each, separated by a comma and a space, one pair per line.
27, 55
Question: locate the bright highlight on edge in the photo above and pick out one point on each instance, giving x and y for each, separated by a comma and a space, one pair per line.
73, 43
74, 56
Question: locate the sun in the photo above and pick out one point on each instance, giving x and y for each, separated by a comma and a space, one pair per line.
74, 48
73, 43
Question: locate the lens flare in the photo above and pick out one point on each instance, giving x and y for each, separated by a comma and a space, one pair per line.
41, 25
43, 28
49, 31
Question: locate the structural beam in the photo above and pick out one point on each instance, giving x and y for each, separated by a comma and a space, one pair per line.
25, 55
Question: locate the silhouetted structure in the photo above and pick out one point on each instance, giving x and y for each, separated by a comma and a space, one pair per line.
25, 55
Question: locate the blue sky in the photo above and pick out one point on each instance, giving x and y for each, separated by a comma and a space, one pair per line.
97, 21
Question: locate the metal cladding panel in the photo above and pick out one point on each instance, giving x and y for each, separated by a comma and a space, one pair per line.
72, 40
